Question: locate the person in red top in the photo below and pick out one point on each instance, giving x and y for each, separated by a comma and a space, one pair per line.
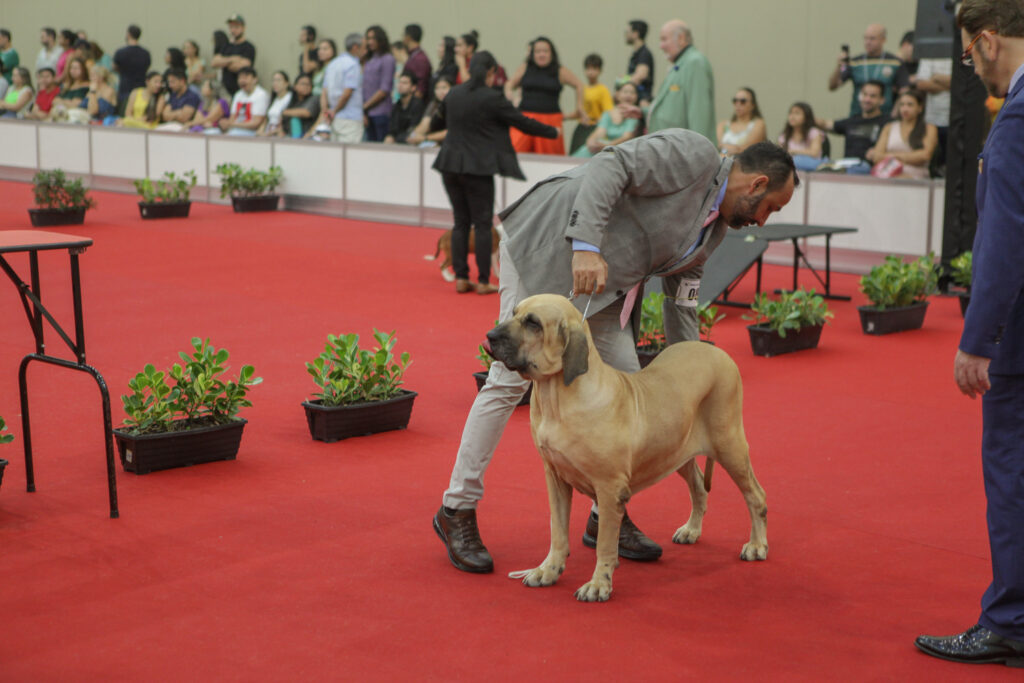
418, 62
45, 95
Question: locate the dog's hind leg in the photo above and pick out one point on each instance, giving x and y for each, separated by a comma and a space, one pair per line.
690, 532
735, 459
559, 500
610, 509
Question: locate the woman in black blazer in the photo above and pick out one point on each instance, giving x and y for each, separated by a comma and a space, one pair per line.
476, 147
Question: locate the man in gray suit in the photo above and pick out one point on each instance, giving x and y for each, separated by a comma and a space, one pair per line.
657, 205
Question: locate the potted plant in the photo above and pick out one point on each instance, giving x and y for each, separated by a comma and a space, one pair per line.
166, 198
793, 322
897, 292
708, 317
961, 269
250, 189
481, 377
4, 438
360, 390
651, 340
59, 201
190, 419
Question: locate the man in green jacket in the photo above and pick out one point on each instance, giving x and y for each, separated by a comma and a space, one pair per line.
686, 98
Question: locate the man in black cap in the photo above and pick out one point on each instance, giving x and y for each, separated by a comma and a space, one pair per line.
236, 55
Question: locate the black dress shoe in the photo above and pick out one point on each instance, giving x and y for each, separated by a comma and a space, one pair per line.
976, 645
633, 544
458, 531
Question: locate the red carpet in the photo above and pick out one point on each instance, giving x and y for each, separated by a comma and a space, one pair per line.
311, 561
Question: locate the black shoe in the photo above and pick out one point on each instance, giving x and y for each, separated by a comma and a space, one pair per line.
976, 645
458, 531
633, 544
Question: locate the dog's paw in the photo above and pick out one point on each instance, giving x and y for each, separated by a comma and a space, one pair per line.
448, 275
754, 551
594, 591
686, 535
539, 576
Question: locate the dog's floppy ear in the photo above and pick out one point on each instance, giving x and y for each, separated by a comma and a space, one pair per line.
574, 357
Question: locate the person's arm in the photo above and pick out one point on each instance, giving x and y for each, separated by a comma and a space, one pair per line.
721, 133
640, 74
512, 84
129, 109
387, 83
219, 61
346, 94
930, 81
308, 65
297, 113
923, 156
757, 134
567, 77
463, 66
24, 99
814, 143
628, 135
184, 115
419, 133
878, 152
839, 74
597, 140
514, 118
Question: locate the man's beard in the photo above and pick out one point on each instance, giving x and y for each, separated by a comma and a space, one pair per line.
744, 211
992, 88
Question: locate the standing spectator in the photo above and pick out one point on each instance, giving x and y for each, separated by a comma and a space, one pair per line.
641, 62
861, 131
144, 104
596, 101
8, 55
83, 50
249, 105
174, 58
466, 46
686, 98
990, 357
326, 52
18, 99
875, 64
907, 54
195, 67
614, 126
477, 146
304, 109
908, 139
307, 57
745, 127
213, 106
220, 41
378, 80
418, 62
50, 52
67, 50
933, 78
181, 103
802, 139
401, 55
101, 101
47, 93
131, 63
282, 91
341, 102
238, 54
446, 65
407, 112
541, 78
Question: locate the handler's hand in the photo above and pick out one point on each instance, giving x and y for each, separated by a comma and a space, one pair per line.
589, 272
971, 373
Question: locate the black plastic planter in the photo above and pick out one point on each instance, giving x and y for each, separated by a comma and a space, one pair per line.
164, 209
43, 218
267, 202
481, 379
334, 423
151, 452
766, 342
875, 321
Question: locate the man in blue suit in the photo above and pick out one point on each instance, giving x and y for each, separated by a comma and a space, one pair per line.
990, 360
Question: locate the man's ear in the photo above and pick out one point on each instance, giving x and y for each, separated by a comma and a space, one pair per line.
759, 185
574, 356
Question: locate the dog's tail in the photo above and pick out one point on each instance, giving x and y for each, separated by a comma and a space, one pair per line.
437, 252
709, 468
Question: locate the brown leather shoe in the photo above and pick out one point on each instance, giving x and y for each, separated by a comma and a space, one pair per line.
486, 288
463, 286
633, 544
457, 530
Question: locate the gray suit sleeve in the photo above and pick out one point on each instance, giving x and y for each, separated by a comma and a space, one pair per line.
681, 322
658, 164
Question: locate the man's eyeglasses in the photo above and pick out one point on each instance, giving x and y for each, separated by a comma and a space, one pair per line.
967, 59
740, 100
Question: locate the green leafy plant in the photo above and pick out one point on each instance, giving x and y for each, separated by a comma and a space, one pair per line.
708, 316
961, 268
896, 284
483, 356
238, 182
53, 190
170, 189
347, 374
189, 395
791, 311
652, 323
4, 438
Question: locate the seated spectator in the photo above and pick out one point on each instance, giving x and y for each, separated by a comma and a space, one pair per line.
326, 51
302, 113
67, 46
175, 59
101, 100
144, 104
861, 131
195, 67
18, 99
614, 127
308, 62
180, 103
407, 112
378, 80
47, 93
249, 105
422, 135
801, 138
213, 105
282, 89
4, 84
596, 101
74, 88
909, 139
746, 126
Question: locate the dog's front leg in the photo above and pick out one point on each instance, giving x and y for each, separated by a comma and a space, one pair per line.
559, 500
609, 513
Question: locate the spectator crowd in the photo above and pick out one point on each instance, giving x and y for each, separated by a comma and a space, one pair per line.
367, 88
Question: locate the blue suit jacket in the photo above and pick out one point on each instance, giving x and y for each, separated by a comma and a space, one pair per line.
994, 324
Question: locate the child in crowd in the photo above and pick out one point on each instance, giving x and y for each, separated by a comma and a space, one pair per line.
596, 100
802, 138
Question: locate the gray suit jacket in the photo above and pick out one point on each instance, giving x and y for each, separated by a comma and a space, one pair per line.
643, 203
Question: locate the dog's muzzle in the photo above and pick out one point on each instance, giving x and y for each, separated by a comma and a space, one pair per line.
503, 348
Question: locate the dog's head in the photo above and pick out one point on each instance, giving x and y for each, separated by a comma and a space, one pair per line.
545, 336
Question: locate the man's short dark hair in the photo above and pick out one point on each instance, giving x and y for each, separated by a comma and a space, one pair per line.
415, 32
1002, 16
639, 26
593, 60
413, 78
5, 33
177, 73
50, 32
68, 35
310, 31
771, 160
47, 68
247, 70
135, 32
877, 84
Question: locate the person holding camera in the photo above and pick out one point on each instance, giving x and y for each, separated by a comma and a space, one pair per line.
874, 64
